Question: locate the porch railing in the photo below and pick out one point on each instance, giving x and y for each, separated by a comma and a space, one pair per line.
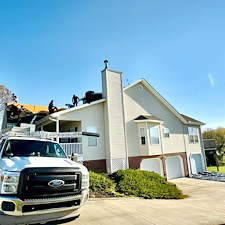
70, 148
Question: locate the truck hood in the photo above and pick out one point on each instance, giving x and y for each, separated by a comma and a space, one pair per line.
19, 163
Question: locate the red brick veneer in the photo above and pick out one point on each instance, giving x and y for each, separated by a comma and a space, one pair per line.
96, 165
135, 162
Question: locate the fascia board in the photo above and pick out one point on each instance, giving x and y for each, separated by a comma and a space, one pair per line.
149, 121
133, 84
48, 119
194, 123
44, 121
57, 114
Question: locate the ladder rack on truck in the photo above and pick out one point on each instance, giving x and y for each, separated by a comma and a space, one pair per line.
39, 182
24, 132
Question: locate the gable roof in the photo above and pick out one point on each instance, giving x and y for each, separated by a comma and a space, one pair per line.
148, 118
191, 120
184, 119
55, 115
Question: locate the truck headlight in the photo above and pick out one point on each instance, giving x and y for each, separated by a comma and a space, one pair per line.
9, 182
85, 180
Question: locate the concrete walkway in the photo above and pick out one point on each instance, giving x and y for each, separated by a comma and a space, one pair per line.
205, 205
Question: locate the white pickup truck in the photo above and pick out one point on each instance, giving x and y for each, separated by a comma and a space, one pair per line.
39, 182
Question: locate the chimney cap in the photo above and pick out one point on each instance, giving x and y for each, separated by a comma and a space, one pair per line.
106, 63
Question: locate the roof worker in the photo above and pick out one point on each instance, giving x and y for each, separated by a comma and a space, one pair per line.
52, 108
75, 100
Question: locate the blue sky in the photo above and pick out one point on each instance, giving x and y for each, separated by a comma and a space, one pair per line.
52, 49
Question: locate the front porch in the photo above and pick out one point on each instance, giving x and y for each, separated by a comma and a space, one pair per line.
70, 144
70, 148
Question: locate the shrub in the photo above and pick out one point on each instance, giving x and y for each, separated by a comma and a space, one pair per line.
145, 184
99, 182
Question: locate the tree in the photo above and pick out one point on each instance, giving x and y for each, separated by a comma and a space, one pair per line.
219, 136
5, 96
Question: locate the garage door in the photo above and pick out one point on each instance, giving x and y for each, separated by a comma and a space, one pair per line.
174, 167
196, 163
154, 165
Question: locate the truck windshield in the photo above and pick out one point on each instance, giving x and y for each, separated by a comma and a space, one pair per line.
33, 148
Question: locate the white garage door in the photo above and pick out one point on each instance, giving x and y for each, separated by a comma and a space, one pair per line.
174, 167
154, 165
196, 163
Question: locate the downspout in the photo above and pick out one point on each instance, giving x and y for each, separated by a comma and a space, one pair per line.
186, 151
163, 158
161, 138
147, 138
57, 126
202, 149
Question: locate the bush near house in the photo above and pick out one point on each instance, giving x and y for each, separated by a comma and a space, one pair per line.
136, 183
100, 185
100, 182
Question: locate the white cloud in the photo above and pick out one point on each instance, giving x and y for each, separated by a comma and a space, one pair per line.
211, 79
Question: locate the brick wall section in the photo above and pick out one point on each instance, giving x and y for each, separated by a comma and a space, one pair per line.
98, 166
135, 162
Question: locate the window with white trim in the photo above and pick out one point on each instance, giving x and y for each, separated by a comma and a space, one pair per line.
193, 134
142, 136
92, 141
154, 135
166, 133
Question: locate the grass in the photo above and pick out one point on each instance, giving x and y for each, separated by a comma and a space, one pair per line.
214, 169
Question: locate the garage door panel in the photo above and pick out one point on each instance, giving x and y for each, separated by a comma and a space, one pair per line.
154, 165
174, 167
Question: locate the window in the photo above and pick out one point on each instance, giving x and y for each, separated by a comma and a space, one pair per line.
142, 135
154, 136
92, 141
193, 134
166, 133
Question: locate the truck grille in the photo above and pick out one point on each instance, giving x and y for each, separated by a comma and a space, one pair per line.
36, 183
32, 208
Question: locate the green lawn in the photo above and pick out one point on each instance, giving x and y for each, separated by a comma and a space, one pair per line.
214, 169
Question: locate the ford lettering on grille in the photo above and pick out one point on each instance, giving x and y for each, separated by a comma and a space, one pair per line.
56, 183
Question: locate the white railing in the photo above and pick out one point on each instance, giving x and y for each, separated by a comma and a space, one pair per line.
70, 148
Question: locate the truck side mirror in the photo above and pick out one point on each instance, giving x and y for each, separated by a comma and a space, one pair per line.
74, 157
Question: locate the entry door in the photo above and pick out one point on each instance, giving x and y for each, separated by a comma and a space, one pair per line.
196, 163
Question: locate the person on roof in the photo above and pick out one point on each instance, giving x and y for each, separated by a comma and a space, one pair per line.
52, 108
75, 100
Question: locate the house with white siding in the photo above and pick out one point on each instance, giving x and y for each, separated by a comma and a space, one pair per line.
138, 129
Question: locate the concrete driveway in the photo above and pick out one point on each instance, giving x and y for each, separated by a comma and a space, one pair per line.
205, 204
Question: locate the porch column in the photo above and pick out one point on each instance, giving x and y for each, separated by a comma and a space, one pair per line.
57, 129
